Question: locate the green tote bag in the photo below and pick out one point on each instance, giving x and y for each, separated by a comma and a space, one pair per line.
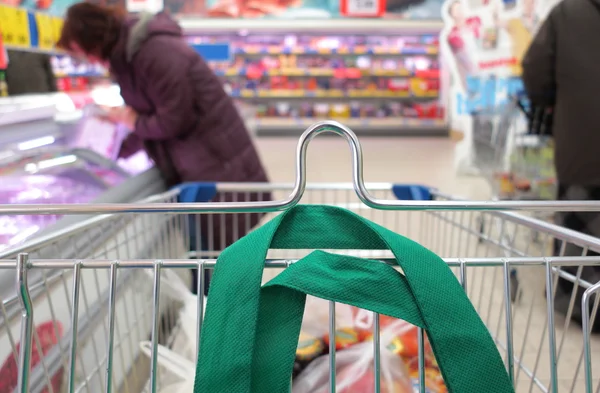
250, 332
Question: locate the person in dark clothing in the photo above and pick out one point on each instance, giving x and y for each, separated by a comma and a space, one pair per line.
29, 73
176, 106
560, 71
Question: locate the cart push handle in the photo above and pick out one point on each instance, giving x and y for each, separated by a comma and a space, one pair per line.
250, 333
296, 195
539, 118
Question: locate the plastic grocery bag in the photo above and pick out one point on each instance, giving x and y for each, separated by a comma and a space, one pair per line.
354, 368
180, 378
314, 336
315, 321
353, 326
185, 337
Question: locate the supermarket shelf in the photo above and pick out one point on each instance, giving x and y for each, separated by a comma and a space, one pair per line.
372, 127
248, 72
355, 72
315, 26
328, 94
81, 75
356, 51
20, 48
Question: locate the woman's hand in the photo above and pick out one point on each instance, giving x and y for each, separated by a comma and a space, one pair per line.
129, 118
122, 115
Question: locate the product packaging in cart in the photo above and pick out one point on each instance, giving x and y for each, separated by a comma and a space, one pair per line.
354, 368
354, 357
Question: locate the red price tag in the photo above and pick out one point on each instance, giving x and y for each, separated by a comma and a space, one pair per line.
362, 8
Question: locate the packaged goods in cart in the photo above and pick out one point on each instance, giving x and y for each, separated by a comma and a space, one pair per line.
434, 383
354, 329
354, 368
316, 317
309, 349
405, 344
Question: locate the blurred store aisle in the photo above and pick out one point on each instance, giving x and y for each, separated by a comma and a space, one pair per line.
426, 161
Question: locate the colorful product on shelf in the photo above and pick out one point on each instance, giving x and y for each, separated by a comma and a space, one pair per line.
284, 87
350, 110
341, 67
304, 76
74, 76
64, 66
323, 45
73, 84
350, 67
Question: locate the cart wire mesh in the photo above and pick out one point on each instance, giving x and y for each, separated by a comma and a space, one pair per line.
84, 302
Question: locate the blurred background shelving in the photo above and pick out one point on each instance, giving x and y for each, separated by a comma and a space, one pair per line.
377, 79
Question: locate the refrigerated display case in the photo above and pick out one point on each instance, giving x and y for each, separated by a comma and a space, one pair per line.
64, 172
48, 122
44, 161
62, 176
29, 118
72, 237
378, 77
40, 189
33, 121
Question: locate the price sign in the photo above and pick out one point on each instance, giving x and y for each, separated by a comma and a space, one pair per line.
19, 25
45, 31
362, 8
6, 20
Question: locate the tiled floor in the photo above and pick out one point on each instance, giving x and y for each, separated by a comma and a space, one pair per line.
454, 234
398, 160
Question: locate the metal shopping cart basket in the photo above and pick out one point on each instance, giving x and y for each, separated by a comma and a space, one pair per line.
517, 162
85, 315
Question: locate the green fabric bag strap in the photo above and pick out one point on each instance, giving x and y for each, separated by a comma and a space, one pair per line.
250, 333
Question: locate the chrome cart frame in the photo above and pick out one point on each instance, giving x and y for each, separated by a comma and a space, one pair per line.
90, 278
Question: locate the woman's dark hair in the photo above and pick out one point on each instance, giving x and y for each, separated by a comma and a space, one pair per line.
94, 28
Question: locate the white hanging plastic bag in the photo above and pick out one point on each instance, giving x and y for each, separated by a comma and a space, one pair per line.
315, 321
181, 371
185, 333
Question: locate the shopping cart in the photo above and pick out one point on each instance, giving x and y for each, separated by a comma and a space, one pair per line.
90, 281
517, 163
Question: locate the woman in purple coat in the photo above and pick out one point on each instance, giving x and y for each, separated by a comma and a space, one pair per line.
176, 106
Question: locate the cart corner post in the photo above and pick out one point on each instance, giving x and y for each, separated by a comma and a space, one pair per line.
22, 288
587, 327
